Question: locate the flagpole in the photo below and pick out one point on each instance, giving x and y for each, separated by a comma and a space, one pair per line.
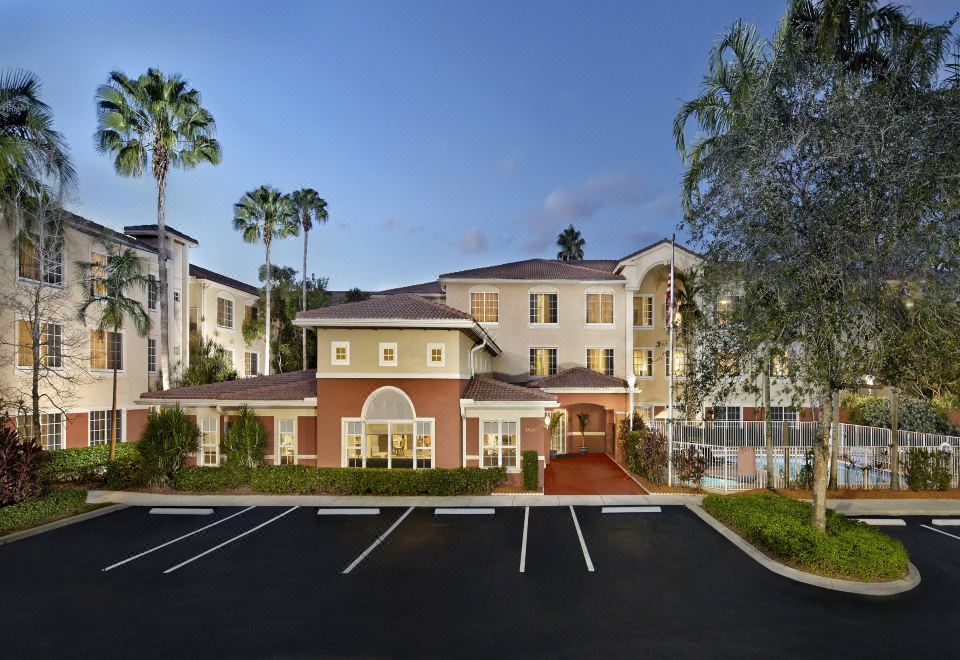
673, 360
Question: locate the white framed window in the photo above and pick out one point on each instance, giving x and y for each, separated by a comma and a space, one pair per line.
645, 410
543, 308
727, 414
543, 361
388, 354
51, 344
340, 352
228, 355
152, 291
780, 414
388, 444
436, 355
600, 360
599, 308
485, 306
97, 273
151, 355
209, 441
43, 266
780, 366
224, 312
677, 366
423, 445
286, 441
643, 363
100, 429
51, 429
500, 445
106, 350
643, 311
251, 363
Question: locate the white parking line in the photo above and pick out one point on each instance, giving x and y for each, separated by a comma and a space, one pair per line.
523, 544
884, 522
464, 512
583, 544
229, 541
174, 511
348, 512
379, 540
630, 509
946, 522
940, 531
179, 538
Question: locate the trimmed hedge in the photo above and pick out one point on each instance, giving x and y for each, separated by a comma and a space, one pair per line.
125, 472
209, 479
781, 526
531, 470
82, 463
302, 479
35, 512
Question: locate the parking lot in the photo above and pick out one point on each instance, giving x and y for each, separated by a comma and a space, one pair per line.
512, 581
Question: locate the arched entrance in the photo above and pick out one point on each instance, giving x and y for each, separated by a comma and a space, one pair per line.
388, 434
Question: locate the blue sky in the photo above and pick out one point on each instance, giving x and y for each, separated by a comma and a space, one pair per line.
444, 135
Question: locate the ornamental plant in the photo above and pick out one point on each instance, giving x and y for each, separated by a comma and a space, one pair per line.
169, 436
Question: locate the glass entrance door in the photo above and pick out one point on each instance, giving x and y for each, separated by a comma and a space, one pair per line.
558, 435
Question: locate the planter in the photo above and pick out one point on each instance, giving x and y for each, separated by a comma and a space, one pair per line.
583, 450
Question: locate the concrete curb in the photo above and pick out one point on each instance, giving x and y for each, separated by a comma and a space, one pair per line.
57, 524
896, 507
504, 500
848, 586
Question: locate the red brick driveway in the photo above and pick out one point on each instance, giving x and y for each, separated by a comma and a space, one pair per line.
589, 474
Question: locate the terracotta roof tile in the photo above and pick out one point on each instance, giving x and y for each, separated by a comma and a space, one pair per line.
540, 269
293, 385
402, 306
577, 378
484, 388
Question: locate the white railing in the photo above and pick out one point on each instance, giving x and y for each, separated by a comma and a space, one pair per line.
736, 454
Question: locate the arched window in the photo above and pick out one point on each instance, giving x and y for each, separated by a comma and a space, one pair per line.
389, 434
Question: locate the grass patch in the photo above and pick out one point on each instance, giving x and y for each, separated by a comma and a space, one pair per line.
780, 526
58, 503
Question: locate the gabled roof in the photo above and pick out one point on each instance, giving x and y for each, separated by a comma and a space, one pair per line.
539, 269
97, 230
655, 244
484, 388
578, 378
290, 386
398, 307
423, 289
151, 230
205, 274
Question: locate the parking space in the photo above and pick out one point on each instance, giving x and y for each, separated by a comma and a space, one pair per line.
511, 581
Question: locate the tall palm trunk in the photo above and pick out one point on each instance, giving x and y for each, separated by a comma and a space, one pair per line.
161, 175
266, 320
768, 424
821, 459
113, 416
303, 302
894, 439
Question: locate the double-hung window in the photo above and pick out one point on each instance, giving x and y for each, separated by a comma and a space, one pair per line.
500, 445
643, 362
209, 442
780, 366
152, 290
600, 360
543, 308
543, 361
251, 363
780, 414
224, 312
151, 355
50, 344
643, 311
100, 428
98, 274
51, 430
485, 306
41, 263
106, 350
726, 414
287, 445
600, 308
677, 367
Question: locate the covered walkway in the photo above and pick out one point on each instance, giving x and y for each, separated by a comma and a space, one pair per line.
589, 474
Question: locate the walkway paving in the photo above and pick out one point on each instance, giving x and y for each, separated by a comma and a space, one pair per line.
590, 474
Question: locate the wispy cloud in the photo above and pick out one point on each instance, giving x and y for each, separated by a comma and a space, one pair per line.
473, 242
388, 224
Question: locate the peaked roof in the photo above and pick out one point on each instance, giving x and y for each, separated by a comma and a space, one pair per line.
423, 289
151, 230
680, 246
293, 385
399, 307
484, 388
578, 378
540, 269
202, 273
97, 230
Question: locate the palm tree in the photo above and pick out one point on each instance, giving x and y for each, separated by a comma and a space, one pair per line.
688, 315
571, 245
106, 286
263, 215
31, 152
582, 420
155, 119
308, 207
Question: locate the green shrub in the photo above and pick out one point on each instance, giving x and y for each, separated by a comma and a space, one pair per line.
124, 472
691, 465
31, 513
245, 442
913, 414
169, 436
20, 463
644, 450
211, 479
927, 469
531, 470
82, 463
302, 479
781, 526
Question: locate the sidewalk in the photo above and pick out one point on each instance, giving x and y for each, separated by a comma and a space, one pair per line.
154, 499
904, 507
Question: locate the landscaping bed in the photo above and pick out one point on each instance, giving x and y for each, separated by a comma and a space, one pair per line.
872, 494
779, 526
58, 503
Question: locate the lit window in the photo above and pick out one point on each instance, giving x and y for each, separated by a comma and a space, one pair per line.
152, 291
250, 314
44, 266
543, 308
500, 445
388, 354
423, 449
288, 441
485, 306
340, 352
436, 355
209, 442
100, 427
543, 361
251, 364
98, 273
354, 444
151, 355
600, 360
780, 366
224, 312
643, 311
600, 308
726, 307
643, 362
51, 344
679, 364
51, 429
106, 350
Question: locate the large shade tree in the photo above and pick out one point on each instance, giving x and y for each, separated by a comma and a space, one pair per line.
156, 121
310, 208
262, 216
